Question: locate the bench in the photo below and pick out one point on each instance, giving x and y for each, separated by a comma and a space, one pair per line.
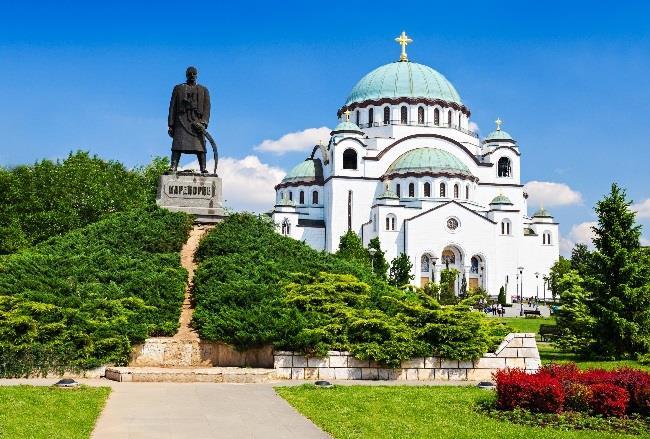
546, 332
532, 313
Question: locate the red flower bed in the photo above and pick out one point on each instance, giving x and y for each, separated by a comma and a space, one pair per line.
555, 388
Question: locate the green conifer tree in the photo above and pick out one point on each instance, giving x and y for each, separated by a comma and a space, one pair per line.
400, 271
379, 263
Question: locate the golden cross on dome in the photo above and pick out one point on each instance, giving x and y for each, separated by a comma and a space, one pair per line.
498, 122
403, 41
347, 115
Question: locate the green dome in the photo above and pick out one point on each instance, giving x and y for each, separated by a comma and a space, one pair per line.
542, 213
499, 135
403, 80
428, 160
501, 199
347, 126
388, 194
309, 171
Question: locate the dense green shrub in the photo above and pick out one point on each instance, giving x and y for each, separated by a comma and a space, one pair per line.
255, 287
80, 300
51, 198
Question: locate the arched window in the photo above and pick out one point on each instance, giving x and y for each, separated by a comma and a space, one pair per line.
290, 196
420, 116
398, 190
411, 190
390, 222
302, 197
546, 238
349, 159
448, 257
504, 169
436, 117
286, 227
505, 227
386, 115
474, 268
404, 117
424, 264
358, 117
427, 189
449, 118
371, 116
460, 119
443, 190
467, 192
314, 197
456, 191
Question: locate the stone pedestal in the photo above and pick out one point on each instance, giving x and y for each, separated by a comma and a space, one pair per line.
196, 194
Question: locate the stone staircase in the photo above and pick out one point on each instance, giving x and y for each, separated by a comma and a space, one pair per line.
184, 357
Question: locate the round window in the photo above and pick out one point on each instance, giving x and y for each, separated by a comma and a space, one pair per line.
452, 224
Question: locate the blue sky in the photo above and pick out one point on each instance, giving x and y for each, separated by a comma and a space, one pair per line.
570, 80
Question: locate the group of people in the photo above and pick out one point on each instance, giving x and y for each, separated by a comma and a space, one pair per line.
496, 309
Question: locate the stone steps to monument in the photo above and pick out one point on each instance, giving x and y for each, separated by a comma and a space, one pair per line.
190, 375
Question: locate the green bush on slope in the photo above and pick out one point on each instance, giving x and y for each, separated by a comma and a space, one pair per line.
255, 287
80, 300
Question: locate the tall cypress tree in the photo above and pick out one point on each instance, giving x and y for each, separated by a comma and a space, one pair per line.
619, 280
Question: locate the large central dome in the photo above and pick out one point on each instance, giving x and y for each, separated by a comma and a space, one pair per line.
403, 80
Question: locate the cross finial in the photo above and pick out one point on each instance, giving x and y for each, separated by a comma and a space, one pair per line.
403, 41
347, 115
498, 122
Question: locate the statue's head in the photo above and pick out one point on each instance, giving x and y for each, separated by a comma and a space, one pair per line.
191, 73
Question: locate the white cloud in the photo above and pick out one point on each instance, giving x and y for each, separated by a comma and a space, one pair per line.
645, 241
299, 141
579, 234
642, 209
550, 194
248, 184
473, 126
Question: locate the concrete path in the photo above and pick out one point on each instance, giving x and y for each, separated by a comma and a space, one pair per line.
200, 410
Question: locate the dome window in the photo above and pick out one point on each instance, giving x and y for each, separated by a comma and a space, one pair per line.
358, 116
386, 115
449, 118
436, 117
404, 117
443, 190
314, 197
427, 189
301, 198
460, 119
420, 116
390, 222
371, 116
546, 238
290, 196
504, 168
467, 192
411, 190
349, 159
456, 191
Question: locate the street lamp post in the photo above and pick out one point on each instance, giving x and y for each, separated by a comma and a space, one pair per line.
537, 286
521, 290
545, 281
434, 259
373, 252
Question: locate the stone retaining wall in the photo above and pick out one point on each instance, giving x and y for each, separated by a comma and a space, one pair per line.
517, 350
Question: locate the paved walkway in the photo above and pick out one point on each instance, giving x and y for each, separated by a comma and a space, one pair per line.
514, 310
200, 410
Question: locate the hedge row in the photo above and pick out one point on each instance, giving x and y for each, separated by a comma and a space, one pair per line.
254, 287
81, 300
557, 388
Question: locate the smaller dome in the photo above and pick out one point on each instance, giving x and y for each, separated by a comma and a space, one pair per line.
388, 194
499, 135
542, 213
309, 172
286, 202
501, 199
429, 160
347, 126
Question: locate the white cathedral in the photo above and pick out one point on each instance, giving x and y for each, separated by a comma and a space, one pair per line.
403, 165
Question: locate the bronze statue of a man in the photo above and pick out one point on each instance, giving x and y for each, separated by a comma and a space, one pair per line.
189, 114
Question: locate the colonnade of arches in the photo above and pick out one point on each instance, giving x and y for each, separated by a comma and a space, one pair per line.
407, 114
452, 257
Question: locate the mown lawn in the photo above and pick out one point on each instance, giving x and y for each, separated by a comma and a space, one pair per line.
48, 412
411, 412
522, 324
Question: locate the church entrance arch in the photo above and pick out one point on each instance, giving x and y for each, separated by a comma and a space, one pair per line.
476, 276
452, 258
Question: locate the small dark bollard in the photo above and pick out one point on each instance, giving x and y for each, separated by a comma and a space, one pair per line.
487, 385
324, 384
67, 383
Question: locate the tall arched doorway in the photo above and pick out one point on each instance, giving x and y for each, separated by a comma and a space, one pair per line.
452, 258
476, 277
